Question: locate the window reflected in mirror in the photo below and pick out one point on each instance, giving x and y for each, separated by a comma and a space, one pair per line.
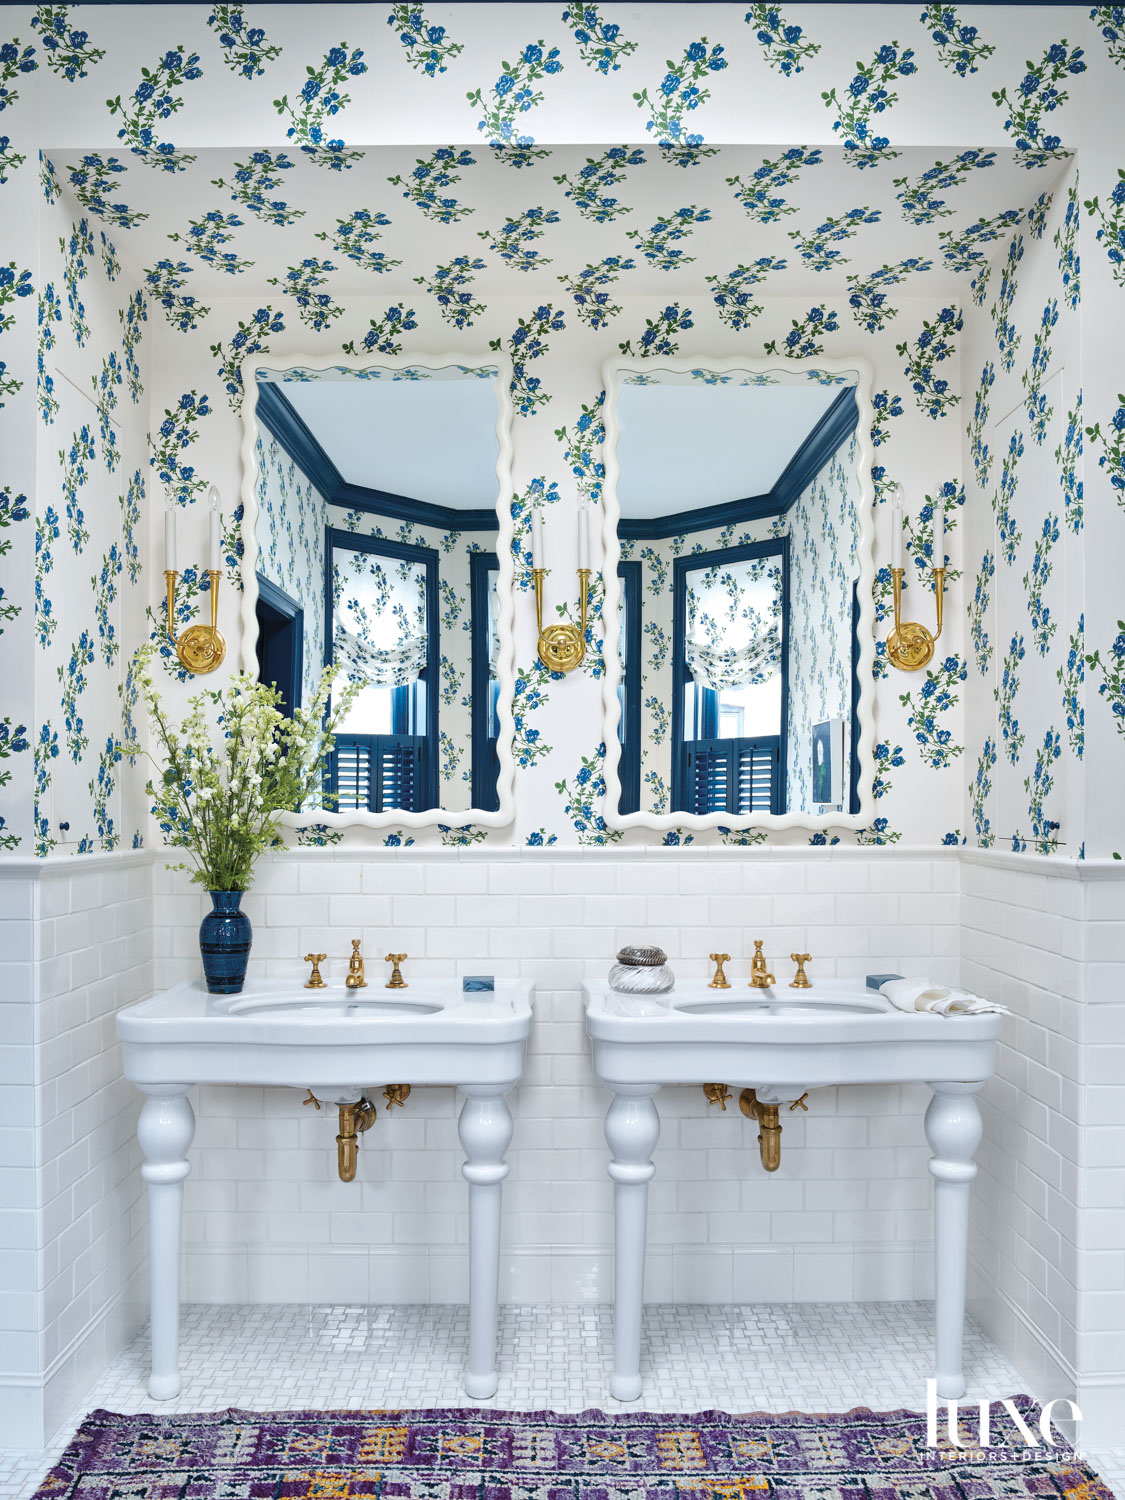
739, 533
376, 536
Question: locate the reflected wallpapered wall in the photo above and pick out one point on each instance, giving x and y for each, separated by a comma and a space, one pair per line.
319, 227
824, 528
289, 531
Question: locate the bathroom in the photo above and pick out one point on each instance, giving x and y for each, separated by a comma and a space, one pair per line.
569, 242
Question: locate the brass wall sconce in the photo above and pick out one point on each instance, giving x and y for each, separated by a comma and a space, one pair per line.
910, 646
562, 646
200, 648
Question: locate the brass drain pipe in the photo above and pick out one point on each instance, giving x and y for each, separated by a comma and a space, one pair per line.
354, 1120
769, 1128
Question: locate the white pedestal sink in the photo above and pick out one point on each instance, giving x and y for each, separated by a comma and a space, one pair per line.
783, 1042
340, 1043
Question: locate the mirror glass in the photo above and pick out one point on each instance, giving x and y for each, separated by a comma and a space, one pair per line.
376, 537
740, 520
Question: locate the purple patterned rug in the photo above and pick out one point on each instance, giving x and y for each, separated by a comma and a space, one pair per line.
463, 1454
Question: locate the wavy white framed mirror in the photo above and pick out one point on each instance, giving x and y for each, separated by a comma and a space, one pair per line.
377, 512
739, 565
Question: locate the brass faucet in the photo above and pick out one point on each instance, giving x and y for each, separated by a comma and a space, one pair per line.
356, 979
760, 977
314, 981
719, 980
396, 981
801, 981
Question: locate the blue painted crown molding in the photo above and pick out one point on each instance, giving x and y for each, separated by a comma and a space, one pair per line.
831, 431
278, 416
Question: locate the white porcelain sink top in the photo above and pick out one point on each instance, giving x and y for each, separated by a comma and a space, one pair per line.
838, 1031
279, 1032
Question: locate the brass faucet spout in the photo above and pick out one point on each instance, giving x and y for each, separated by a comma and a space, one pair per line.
760, 977
356, 978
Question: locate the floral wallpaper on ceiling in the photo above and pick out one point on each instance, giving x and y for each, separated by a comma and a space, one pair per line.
938, 264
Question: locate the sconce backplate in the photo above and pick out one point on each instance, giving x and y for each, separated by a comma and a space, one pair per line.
201, 648
910, 647
561, 647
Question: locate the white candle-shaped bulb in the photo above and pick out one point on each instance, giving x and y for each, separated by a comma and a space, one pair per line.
214, 529
896, 528
584, 538
536, 539
939, 534
170, 538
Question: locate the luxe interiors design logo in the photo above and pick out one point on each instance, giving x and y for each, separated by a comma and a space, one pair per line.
958, 1426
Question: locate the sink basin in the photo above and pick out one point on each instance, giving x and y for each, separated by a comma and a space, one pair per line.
332, 1005
279, 1032
777, 1007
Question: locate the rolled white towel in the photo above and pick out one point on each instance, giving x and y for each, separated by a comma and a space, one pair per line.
937, 999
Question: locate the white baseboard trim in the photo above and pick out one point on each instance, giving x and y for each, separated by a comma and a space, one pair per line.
33, 1407
884, 1272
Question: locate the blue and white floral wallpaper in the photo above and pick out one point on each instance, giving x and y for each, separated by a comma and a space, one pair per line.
823, 527
943, 194
289, 531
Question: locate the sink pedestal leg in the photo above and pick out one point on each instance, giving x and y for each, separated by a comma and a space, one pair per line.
165, 1131
485, 1129
953, 1129
632, 1128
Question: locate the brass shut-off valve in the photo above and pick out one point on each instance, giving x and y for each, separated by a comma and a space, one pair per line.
717, 1093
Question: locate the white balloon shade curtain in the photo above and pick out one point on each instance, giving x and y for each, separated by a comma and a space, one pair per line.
734, 624
379, 620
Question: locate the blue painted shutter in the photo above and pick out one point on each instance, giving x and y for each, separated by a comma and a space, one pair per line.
378, 772
735, 776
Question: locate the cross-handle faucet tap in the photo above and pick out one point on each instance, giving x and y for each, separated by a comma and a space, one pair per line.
760, 977
396, 981
719, 980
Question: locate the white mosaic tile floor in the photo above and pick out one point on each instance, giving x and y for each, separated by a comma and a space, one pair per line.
810, 1356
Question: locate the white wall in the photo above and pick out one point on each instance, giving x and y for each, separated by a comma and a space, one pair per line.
1048, 1240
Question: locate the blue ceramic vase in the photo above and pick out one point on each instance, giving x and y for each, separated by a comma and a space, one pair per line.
224, 943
